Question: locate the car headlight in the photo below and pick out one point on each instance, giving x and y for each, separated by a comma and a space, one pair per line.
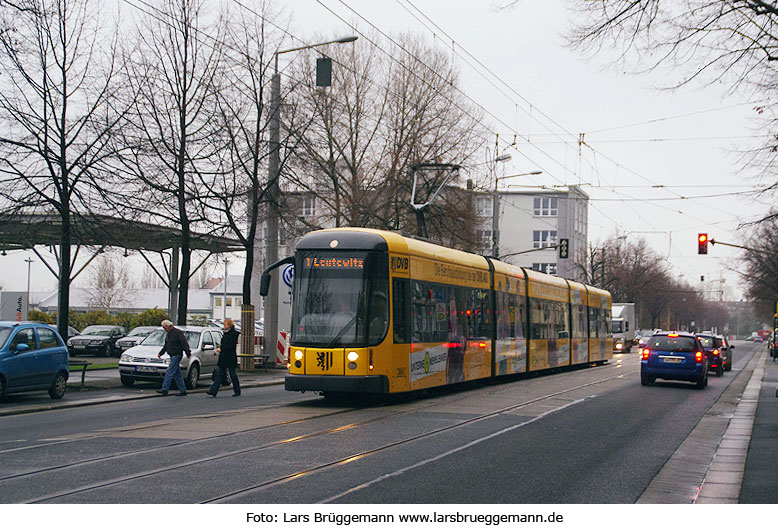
126, 358
619, 345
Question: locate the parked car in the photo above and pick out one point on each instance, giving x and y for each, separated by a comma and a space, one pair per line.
141, 362
712, 346
96, 340
33, 356
72, 331
134, 337
675, 356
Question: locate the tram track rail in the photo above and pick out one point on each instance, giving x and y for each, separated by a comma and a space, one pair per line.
277, 445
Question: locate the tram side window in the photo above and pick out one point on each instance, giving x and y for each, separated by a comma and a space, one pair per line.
606, 324
548, 319
594, 322
401, 311
443, 312
579, 321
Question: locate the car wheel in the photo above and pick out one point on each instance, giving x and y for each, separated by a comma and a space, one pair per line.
58, 387
193, 376
720, 370
645, 380
127, 381
702, 381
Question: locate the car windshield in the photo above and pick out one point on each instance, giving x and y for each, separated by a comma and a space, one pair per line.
5, 332
683, 344
93, 330
157, 338
140, 331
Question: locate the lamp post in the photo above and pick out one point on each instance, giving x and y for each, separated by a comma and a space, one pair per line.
273, 193
496, 206
29, 261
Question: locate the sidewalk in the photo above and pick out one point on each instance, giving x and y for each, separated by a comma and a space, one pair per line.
104, 386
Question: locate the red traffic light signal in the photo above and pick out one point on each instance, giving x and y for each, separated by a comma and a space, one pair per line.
702, 244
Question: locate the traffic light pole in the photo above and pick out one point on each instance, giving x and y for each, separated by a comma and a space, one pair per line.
714, 242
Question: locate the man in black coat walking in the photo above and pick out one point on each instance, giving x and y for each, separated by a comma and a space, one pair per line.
228, 360
175, 346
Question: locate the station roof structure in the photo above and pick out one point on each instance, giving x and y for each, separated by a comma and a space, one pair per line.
24, 231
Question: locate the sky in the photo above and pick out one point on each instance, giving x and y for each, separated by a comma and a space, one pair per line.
650, 154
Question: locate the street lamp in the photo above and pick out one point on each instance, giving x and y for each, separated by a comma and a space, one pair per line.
273, 193
496, 205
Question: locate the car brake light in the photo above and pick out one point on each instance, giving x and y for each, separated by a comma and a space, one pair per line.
698, 356
646, 352
715, 351
673, 335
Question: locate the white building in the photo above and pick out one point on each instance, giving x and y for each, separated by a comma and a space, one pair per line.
227, 303
532, 218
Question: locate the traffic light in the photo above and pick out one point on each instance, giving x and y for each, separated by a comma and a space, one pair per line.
564, 248
702, 244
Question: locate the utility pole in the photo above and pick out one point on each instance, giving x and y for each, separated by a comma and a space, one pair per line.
274, 193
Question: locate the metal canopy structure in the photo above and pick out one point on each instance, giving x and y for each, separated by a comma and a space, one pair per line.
25, 231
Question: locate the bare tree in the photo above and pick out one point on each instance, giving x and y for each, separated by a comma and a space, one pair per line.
57, 88
169, 145
110, 283
236, 193
761, 268
730, 41
363, 136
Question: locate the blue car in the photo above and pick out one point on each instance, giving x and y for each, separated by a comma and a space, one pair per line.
32, 357
676, 356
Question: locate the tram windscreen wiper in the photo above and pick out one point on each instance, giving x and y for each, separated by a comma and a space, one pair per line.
342, 330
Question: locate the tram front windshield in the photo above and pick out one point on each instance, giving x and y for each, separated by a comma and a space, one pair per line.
340, 298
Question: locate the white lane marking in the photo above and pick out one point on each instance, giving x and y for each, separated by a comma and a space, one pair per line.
449, 452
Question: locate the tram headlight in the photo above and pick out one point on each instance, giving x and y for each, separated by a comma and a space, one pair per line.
352, 356
298, 355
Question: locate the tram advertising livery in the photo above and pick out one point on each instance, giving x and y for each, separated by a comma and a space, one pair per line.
376, 312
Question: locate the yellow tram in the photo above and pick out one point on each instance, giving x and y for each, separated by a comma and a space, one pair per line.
376, 312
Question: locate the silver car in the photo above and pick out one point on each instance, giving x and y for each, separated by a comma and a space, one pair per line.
141, 362
134, 337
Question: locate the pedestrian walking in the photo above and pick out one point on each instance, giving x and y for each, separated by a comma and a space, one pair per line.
175, 346
228, 359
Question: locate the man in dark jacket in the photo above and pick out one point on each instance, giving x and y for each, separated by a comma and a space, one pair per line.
228, 360
175, 346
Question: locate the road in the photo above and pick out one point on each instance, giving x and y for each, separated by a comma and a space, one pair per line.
592, 435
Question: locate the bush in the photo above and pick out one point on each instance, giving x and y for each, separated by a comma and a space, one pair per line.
153, 316
42, 317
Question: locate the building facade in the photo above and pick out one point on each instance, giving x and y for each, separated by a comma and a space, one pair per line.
530, 219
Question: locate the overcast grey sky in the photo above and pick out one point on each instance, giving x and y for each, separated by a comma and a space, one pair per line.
646, 148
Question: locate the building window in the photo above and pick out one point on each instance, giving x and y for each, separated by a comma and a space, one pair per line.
542, 239
229, 301
485, 238
308, 206
545, 206
544, 267
217, 302
238, 301
484, 206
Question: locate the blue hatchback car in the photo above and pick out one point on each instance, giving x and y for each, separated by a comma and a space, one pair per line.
32, 357
677, 356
